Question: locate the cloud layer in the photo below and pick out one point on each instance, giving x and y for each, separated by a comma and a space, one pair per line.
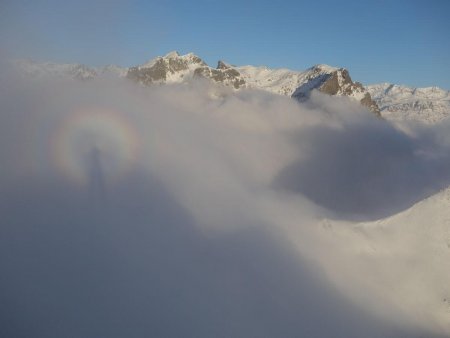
164, 211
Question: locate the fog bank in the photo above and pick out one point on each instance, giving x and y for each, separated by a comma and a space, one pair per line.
170, 211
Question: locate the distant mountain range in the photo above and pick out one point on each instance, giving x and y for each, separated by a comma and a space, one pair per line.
393, 102
429, 105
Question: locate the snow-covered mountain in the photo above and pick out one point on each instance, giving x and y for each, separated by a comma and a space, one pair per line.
172, 68
75, 71
415, 242
68, 70
393, 102
299, 84
428, 105
176, 68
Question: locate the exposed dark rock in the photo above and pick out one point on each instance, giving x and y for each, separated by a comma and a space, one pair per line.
368, 102
224, 76
337, 82
330, 84
222, 65
147, 76
162, 66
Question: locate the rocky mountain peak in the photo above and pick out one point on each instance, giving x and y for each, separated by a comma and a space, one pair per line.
335, 81
172, 67
223, 65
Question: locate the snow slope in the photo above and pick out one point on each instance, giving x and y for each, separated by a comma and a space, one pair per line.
279, 81
299, 84
409, 251
401, 103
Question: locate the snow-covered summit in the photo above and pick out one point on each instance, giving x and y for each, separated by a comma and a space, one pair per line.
171, 68
171, 55
324, 68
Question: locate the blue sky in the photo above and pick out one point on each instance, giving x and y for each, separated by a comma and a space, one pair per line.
405, 42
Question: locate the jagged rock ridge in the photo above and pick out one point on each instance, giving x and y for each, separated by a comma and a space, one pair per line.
339, 83
170, 68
